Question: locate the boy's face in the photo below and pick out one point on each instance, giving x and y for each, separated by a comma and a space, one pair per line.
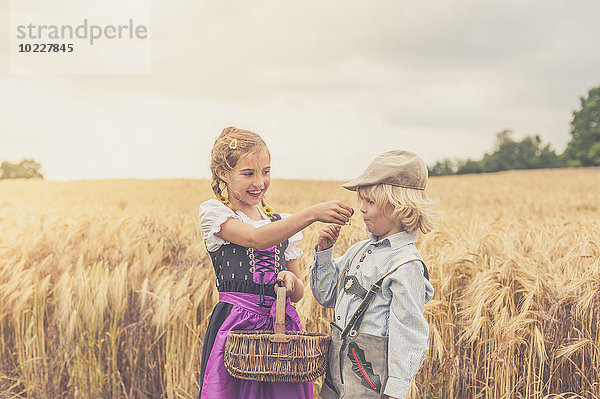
376, 221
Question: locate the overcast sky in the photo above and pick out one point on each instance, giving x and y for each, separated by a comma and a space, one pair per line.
329, 85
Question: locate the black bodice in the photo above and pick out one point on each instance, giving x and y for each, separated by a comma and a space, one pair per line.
248, 270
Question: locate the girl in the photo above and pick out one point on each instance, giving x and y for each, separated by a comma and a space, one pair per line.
251, 248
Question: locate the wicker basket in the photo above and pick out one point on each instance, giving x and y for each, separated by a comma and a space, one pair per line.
276, 356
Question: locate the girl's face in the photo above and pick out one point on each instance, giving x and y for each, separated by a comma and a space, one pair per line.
376, 221
249, 180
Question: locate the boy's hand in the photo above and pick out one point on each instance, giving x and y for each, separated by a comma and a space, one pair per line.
328, 236
289, 281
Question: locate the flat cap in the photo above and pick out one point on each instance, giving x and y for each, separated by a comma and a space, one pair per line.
396, 168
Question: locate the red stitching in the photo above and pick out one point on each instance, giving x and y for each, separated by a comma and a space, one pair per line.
362, 371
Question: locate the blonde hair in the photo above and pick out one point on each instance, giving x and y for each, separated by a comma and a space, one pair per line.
231, 145
411, 208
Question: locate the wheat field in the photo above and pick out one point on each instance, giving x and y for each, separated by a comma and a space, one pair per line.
106, 287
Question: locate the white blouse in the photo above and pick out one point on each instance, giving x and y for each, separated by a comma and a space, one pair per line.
213, 213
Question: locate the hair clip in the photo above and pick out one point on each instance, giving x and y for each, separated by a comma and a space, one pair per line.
224, 200
233, 144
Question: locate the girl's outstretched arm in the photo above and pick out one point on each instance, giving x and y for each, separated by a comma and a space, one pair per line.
266, 236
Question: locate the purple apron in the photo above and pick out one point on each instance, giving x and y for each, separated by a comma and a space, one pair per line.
245, 313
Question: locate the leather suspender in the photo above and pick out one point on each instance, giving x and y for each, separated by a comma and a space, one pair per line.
356, 320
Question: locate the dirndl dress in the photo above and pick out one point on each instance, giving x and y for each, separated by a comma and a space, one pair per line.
246, 283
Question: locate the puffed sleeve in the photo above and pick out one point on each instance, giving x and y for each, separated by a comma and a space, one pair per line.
213, 214
292, 251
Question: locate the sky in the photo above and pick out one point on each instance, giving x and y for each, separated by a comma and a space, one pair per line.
328, 85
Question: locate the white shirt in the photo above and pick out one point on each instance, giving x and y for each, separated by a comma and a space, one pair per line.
213, 213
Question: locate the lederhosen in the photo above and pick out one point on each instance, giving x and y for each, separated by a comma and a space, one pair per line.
358, 362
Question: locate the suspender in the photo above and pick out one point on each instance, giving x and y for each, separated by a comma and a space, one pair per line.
356, 320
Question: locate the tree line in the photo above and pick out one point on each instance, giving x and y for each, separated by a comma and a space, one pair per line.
26, 169
583, 148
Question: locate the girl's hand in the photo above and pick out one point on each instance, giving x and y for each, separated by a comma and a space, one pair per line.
328, 236
289, 281
332, 212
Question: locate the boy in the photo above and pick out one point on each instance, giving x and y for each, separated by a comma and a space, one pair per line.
379, 287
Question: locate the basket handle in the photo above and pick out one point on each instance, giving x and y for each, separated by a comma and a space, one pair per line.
280, 335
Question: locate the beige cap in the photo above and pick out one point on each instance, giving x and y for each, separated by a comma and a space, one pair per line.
396, 168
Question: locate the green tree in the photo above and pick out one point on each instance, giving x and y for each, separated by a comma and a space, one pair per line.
26, 169
524, 154
442, 168
584, 147
529, 153
469, 166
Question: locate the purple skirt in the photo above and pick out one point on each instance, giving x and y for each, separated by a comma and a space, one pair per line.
240, 311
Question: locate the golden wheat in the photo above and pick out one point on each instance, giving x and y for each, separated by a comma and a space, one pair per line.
106, 287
